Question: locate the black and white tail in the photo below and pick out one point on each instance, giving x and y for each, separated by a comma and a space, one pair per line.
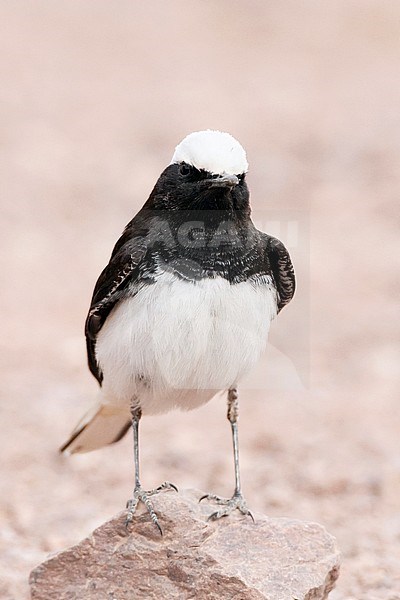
101, 426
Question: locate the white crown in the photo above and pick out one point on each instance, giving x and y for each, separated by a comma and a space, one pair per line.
213, 151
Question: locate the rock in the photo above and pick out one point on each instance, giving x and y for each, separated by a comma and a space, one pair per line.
277, 559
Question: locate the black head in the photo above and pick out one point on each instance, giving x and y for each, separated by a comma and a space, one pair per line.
184, 187
207, 172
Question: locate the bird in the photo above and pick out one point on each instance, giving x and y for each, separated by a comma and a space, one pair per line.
182, 311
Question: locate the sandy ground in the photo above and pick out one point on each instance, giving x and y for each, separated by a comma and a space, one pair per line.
94, 97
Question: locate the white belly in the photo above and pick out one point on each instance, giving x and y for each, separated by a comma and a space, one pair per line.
176, 343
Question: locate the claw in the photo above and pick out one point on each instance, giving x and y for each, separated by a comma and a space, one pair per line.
216, 499
214, 516
237, 502
141, 495
164, 486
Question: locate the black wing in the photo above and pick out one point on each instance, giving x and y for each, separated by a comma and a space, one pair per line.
282, 270
122, 269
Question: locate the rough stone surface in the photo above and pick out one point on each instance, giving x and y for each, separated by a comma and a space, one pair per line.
277, 559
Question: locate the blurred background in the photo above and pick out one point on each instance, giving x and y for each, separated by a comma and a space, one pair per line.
94, 97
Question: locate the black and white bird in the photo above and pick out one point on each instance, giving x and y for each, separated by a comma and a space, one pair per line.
183, 308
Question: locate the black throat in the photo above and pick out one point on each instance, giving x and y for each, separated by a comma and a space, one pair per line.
197, 229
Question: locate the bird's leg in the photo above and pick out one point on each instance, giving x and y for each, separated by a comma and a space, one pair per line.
237, 501
139, 494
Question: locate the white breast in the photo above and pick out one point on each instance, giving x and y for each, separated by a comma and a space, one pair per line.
176, 342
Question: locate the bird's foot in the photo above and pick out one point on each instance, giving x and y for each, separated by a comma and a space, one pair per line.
141, 495
237, 502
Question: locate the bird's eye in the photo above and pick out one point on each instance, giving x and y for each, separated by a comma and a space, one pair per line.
241, 177
184, 169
